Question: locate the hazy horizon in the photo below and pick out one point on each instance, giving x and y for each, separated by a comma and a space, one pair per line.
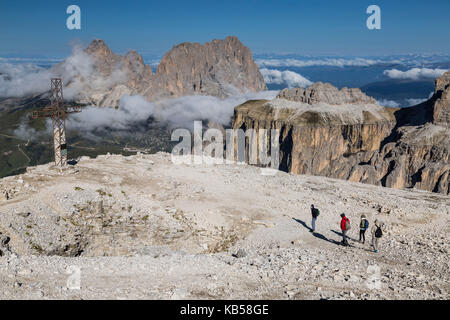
281, 27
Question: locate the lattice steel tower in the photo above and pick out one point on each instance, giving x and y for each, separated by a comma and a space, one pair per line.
58, 112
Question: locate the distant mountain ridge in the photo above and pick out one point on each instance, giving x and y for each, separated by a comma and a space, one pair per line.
214, 68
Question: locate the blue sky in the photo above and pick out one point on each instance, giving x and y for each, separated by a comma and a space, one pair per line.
283, 26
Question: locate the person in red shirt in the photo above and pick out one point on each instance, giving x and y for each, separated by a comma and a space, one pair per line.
345, 226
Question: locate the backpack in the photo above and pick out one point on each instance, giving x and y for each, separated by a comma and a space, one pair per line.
364, 224
317, 212
347, 224
378, 232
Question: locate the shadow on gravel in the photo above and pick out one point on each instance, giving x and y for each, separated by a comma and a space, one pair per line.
302, 223
316, 234
340, 235
321, 236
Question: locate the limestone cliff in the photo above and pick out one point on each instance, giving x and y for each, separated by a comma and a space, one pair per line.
355, 139
98, 76
193, 68
441, 107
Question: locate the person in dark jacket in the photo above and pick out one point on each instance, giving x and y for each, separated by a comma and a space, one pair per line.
376, 235
363, 226
314, 214
345, 226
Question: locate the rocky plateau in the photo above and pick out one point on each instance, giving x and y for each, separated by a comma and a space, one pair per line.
143, 227
344, 134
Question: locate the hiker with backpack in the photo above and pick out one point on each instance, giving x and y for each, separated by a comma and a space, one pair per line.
345, 226
363, 226
314, 213
377, 233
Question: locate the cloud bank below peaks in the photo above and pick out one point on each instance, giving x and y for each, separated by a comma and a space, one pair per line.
177, 113
19, 80
330, 62
414, 73
78, 72
289, 78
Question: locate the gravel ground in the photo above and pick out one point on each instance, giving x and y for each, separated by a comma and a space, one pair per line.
141, 227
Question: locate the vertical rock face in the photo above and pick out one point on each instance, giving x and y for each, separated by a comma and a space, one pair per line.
441, 108
355, 140
193, 68
100, 77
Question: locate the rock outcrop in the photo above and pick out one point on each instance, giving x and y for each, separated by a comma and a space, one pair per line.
193, 68
106, 62
98, 76
325, 92
356, 140
441, 107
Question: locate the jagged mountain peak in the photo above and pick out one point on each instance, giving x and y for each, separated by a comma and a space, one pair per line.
98, 46
187, 69
194, 68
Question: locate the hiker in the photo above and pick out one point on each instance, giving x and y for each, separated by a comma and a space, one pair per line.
363, 226
315, 213
377, 233
345, 226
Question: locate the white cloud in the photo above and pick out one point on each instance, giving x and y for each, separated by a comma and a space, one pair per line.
415, 73
30, 60
18, 80
78, 72
26, 132
178, 112
131, 110
335, 62
413, 102
403, 103
289, 78
80, 75
388, 103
